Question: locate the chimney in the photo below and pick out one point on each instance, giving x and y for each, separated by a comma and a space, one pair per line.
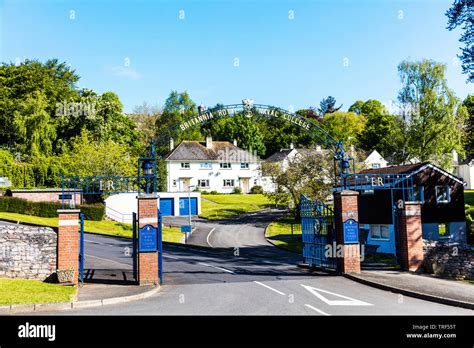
171, 144
235, 142
292, 146
455, 157
209, 142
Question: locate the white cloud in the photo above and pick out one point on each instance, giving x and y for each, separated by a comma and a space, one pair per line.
125, 72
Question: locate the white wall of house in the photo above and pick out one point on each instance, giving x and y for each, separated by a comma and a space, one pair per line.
466, 171
210, 176
375, 160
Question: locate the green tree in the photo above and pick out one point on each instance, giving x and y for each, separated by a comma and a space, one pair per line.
344, 126
461, 14
356, 108
469, 105
433, 125
328, 106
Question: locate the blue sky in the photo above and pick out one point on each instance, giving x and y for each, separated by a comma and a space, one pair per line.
290, 53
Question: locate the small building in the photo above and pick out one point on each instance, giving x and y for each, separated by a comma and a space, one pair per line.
47, 195
375, 160
218, 166
465, 170
442, 211
5, 182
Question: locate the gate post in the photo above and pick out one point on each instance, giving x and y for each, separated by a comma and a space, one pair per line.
410, 234
345, 208
68, 241
147, 261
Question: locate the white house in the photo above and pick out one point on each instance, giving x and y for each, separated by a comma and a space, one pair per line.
211, 166
375, 160
465, 170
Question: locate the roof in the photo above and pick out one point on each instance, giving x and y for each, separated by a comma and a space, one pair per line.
469, 159
410, 169
279, 156
197, 151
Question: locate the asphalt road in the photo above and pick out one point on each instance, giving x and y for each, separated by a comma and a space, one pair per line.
248, 277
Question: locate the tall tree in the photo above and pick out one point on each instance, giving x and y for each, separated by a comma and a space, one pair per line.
461, 14
469, 105
328, 106
344, 126
356, 108
434, 127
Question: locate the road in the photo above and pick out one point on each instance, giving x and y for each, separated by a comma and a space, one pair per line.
249, 277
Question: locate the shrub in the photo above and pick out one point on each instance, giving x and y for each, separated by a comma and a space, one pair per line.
94, 212
204, 192
214, 193
257, 189
237, 190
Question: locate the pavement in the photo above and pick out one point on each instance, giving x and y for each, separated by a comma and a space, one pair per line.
422, 286
233, 270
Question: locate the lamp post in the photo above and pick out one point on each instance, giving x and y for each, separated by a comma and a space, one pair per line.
147, 168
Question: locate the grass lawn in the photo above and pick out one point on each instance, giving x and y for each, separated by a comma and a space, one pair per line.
215, 207
22, 291
111, 228
279, 232
469, 197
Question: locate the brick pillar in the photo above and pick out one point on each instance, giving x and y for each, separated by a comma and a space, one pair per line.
148, 261
410, 236
68, 241
345, 208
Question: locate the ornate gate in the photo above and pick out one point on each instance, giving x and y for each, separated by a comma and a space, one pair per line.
318, 233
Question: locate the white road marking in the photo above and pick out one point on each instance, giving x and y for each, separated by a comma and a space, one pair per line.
99, 243
171, 257
317, 310
219, 268
109, 260
269, 287
208, 235
347, 302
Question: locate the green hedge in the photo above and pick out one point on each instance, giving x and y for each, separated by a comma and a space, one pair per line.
94, 212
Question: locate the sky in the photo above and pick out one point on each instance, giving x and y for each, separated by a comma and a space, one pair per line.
287, 53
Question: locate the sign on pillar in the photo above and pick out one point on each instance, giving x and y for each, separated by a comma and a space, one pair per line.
410, 236
147, 239
347, 230
68, 243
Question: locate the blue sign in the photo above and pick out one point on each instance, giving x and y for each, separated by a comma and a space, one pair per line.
186, 228
351, 231
147, 241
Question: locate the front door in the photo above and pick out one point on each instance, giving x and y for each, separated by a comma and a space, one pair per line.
186, 182
245, 185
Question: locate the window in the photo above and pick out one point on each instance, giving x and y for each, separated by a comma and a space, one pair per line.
375, 165
255, 181
185, 165
379, 232
228, 182
174, 183
443, 230
418, 193
244, 166
204, 183
442, 194
225, 165
205, 165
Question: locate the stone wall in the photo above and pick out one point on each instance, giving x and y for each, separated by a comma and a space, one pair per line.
449, 260
27, 252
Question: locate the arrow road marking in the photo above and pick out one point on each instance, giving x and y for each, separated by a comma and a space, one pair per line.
207, 239
269, 287
316, 309
346, 302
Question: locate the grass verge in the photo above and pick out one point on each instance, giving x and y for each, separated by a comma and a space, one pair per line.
111, 228
214, 207
280, 233
23, 291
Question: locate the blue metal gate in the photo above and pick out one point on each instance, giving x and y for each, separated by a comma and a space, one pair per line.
81, 248
318, 232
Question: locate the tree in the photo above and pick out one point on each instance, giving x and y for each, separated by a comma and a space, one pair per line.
381, 130
178, 108
469, 105
433, 125
307, 173
356, 108
461, 13
144, 117
327, 106
344, 126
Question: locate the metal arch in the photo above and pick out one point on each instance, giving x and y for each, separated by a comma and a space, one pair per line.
320, 133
